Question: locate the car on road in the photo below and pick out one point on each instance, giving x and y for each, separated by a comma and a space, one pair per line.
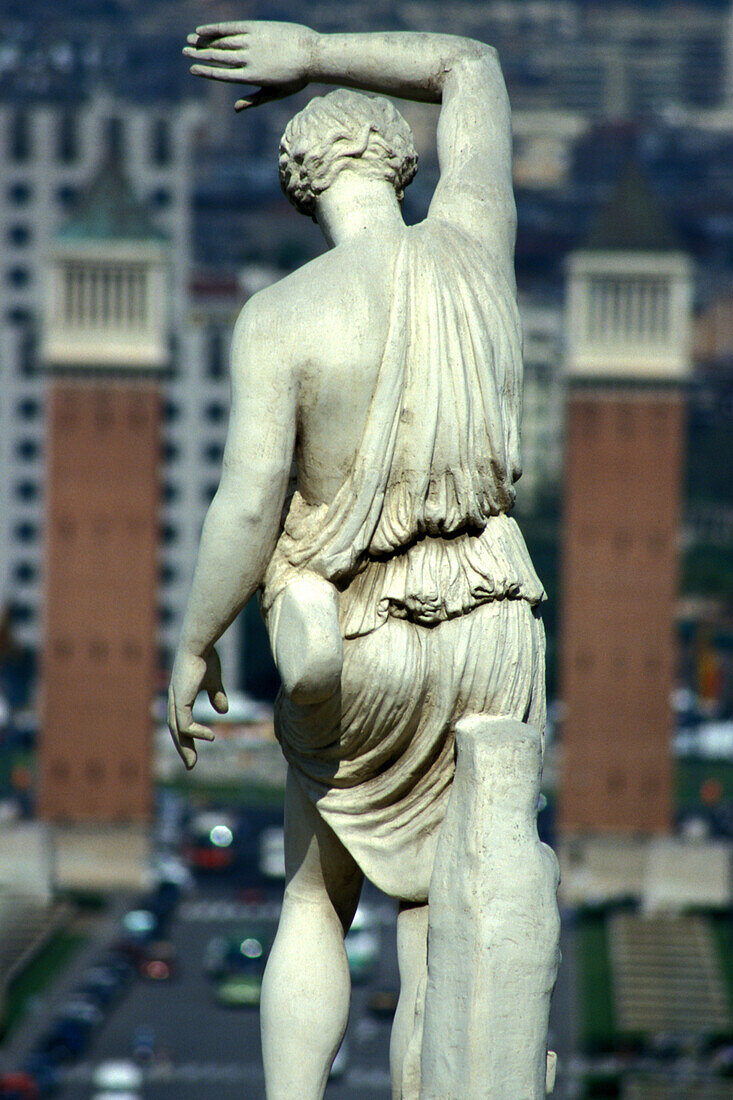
158, 962
240, 990
243, 953
117, 1095
117, 1076
237, 964
271, 852
210, 841
362, 943
18, 1086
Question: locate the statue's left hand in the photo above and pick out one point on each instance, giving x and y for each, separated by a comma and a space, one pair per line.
275, 56
192, 674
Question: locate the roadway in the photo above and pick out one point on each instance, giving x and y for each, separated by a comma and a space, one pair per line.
205, 1051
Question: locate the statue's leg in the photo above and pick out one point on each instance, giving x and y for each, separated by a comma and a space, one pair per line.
406, 1041
306, 988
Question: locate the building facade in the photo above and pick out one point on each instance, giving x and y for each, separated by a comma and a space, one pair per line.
48, 153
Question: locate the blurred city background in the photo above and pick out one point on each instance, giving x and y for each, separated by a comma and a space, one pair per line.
137, 215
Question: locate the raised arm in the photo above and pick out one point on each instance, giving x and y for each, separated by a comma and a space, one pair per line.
474, 131
242, 523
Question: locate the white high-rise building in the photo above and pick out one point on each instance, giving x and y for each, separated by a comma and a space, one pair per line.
543, 401
48, 154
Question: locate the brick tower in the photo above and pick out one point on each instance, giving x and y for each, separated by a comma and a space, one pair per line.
105, 343
628, 326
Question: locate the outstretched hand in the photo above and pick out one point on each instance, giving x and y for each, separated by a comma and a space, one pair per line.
275, 57
192, 674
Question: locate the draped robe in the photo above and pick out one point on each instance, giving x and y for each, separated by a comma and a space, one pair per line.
437, 594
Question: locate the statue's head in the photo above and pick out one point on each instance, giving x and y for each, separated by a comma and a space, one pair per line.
344, 130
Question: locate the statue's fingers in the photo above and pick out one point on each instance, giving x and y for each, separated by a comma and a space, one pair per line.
184, 746
187, 751
257, 99
224, 57
228, 42
218, 30
215, 72
218, 699
195, 729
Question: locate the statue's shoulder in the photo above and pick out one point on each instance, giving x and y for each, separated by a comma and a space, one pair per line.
318, 292
301, 318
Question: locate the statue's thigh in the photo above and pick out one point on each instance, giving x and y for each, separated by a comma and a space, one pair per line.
317, 865
499, 658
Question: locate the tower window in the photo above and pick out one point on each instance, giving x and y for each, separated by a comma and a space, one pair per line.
132, 650
63, 648
216, 359
26, 491
65, 527
103, 413
138, 415
27, 449
67, 142
94, 771
160, 144
215, 411
60, 770
25, 572
19, 235
19, 193
19, 136
114, 137
67, 195
19, 277
98, 650
23, 612
26, 532
29, 408
616, 782
29, 349
214, 452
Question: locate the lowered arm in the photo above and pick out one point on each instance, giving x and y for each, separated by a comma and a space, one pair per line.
242, 524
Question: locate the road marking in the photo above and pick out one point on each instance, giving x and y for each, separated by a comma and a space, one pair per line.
83, 1072
204, 911
198, 1072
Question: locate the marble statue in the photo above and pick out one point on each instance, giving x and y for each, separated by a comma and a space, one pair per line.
399, 597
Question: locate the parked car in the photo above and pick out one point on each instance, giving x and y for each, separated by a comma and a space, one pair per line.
117, 1076
158, 962
237, 963
271, 847
143, 1044
362, 943
210, 843
19, 1086
240, 990
244, 953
